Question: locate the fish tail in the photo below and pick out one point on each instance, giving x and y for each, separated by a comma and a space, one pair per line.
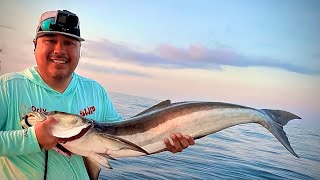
279, 119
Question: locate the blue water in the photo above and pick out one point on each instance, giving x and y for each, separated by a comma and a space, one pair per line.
242, 152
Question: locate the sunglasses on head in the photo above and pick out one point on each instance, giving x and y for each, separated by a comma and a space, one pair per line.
48, 24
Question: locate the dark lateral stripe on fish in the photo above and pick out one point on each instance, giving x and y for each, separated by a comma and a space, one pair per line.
167, 113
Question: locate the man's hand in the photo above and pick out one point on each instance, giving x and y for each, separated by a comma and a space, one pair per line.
180, 142
44, 135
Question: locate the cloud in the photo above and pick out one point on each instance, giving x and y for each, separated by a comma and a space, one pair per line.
105, 49
106, 69
6, 27
16, 50
196, 56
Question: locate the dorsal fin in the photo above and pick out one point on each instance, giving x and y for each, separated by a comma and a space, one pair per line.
158, 106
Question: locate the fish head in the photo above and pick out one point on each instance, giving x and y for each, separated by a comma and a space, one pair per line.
66, 120
69, 125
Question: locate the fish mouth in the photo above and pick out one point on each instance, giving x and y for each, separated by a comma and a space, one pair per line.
77, 136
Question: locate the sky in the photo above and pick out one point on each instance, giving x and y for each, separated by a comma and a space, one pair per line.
263, 54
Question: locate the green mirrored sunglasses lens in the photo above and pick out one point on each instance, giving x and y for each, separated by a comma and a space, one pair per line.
46, 24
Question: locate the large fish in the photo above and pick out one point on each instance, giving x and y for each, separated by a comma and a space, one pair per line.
144, 133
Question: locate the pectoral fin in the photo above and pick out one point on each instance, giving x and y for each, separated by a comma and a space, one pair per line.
120, 143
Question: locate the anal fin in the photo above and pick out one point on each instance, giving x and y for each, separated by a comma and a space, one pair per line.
102, 160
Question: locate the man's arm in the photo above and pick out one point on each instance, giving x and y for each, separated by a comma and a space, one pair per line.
14, 142
18, 142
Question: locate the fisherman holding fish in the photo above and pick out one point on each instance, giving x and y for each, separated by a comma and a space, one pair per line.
52, 85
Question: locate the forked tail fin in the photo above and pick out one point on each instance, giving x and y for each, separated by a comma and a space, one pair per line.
279, 119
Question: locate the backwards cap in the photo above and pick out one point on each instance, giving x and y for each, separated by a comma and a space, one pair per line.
59, 22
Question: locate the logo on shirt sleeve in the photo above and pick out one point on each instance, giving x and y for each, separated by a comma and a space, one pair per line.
87, 111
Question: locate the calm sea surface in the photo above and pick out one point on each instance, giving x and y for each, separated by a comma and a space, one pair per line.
242, 152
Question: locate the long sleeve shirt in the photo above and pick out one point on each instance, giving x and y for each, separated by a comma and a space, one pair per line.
23, 92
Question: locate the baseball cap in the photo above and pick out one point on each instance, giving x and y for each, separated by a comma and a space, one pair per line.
59, 22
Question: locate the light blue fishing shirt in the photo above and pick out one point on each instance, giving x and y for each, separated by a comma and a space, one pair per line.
23, 92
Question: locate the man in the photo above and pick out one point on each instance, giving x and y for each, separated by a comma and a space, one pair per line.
52, 85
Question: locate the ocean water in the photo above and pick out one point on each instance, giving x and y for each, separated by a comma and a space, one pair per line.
246, 151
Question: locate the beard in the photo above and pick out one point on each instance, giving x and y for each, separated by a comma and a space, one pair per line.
61, 74
59, 77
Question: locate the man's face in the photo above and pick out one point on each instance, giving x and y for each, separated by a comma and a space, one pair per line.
57, 56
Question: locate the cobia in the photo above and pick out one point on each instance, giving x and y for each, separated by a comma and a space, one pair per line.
144, 133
